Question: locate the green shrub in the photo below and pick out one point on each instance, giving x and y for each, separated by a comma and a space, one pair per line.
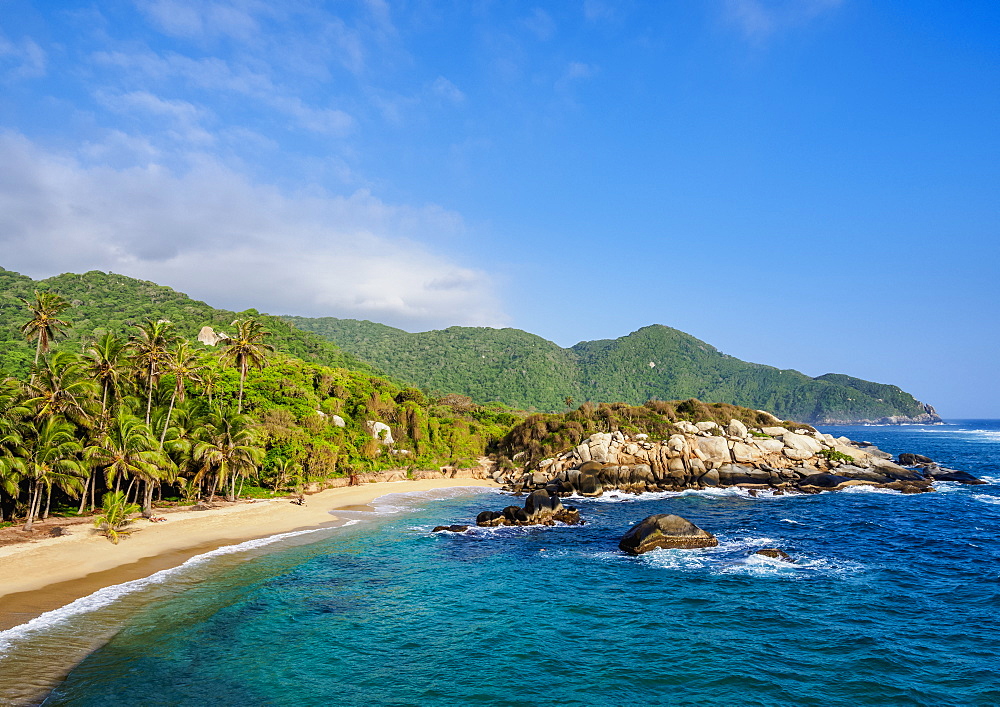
113, 521
834, 456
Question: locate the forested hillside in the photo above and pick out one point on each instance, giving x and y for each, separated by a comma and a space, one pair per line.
655, 362
125, 404
107, 302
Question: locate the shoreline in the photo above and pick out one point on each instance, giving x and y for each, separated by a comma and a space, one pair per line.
48, 574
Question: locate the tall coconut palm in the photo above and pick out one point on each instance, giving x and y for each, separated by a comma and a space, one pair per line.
50, 457
186, 367
227, 449
12, 426
128, 449
188, 420
45, 323
149, 348
62, 387
105, 362
246, 349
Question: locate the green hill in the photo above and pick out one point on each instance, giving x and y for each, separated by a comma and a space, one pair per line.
653, 363
108, 302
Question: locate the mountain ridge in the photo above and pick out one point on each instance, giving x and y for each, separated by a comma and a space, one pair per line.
653, 362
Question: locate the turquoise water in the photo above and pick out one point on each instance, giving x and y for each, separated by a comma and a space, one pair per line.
892, 600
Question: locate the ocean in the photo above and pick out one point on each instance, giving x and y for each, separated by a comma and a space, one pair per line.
892, 600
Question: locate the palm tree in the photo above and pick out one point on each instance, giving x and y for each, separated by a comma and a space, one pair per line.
227, 449
50, 452
61, 387
245, 349
128, 449
45, 323
12, 419
116, 514
149, 352
105, 360
186, 367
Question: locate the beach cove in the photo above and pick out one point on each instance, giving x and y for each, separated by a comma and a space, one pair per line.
43, 575
894, 594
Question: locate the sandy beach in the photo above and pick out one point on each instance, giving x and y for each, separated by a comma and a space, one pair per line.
40, 576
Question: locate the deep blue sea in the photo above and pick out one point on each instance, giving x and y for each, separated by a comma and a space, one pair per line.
892, 600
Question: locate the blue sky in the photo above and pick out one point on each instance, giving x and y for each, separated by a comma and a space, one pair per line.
812, 184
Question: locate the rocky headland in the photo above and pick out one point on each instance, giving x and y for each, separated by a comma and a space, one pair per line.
706, 454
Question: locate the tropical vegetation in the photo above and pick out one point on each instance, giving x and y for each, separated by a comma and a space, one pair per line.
655, 362
145, 414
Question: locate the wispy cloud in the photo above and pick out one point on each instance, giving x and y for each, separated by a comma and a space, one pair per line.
216, 74
759, 19
196, 19
218, 236
540, 24
21, 60
446, 89
182, 119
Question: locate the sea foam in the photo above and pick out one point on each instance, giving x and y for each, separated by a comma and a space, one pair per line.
109, 595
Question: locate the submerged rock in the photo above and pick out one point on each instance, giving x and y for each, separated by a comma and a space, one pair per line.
452, 528
665, 531
775, 553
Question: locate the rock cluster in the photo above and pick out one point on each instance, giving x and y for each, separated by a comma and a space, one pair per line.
665, 531
540, 508
705, 454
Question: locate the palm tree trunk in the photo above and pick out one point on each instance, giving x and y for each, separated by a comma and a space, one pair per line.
166, 424
83, 496
243, 377
149, 393
147, 500
48, 502
38, 351
93, 494
211, 493
128, 492
31, 505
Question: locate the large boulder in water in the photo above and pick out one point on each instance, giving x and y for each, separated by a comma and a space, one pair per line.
908, 459
665, 531
938, 473
540, 508
824, 481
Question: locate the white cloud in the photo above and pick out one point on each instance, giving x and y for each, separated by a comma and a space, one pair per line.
758, 19
215, 235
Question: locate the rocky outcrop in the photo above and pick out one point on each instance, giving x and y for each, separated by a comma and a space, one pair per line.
775, 554
928, 417
928, 468
380, 431
665, 531
210, 337
451, 528
540, 508
702, 455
